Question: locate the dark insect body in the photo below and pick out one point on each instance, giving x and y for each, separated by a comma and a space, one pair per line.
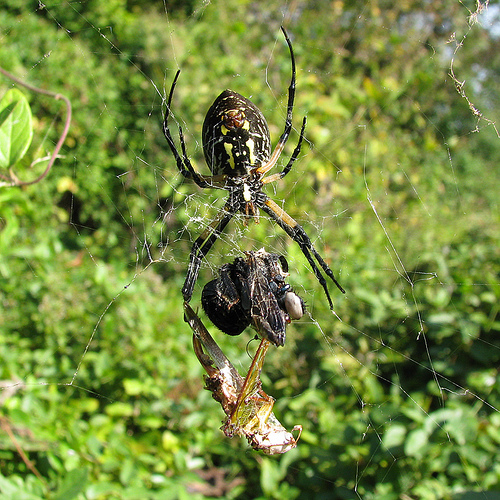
253, 291
237, 149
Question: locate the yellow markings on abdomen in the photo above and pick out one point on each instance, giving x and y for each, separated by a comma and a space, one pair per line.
229, 150
251, 148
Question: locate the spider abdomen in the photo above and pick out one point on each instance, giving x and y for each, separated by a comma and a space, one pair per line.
235, 136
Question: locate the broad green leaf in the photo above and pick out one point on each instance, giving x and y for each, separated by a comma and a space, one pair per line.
270, 477
9, 489
16, 130
394, 436
72, 484
416, 442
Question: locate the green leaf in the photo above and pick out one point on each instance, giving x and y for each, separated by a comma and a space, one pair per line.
416, 442
394, 436
73, 484
16, 129
9, 489
119, 409
270, 476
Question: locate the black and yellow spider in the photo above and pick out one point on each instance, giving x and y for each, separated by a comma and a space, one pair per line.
237, 149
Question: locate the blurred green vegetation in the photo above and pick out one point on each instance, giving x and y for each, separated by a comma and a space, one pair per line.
398, 186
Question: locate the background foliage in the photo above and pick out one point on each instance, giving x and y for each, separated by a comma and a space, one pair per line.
398, 184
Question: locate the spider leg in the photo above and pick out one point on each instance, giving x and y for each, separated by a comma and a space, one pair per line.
298, 234
295, 154
183, 163
289, 113
296, 151
204, 243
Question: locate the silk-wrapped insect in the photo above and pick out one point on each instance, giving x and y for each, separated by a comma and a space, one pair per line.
253, 291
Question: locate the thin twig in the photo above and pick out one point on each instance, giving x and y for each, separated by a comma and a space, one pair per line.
6, 427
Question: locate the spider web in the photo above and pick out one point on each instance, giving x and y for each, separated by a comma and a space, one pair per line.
387, 421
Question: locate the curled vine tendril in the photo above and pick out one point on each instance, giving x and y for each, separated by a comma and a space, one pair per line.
12, 180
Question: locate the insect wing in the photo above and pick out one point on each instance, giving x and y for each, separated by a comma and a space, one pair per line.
268, 318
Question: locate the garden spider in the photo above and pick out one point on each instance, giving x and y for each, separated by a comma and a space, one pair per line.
237, 149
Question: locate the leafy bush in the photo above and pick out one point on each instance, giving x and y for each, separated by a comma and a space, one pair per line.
398, 395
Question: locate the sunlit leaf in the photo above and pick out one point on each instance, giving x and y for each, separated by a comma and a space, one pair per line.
416, 442
73, 484
16, 130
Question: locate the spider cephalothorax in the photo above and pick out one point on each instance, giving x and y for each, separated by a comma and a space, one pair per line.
237, 148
